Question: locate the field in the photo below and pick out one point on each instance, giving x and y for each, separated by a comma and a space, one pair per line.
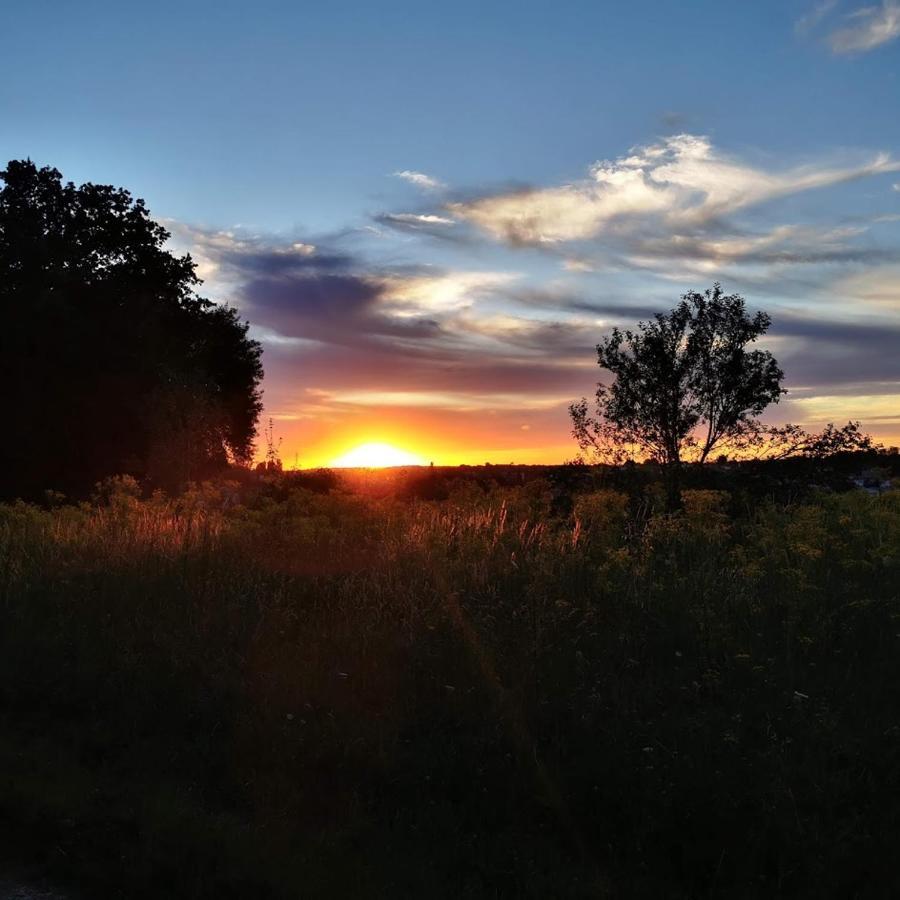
463, 688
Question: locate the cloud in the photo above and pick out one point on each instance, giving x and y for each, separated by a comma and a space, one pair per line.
444, 290
333, 319
867, 28
600, 311
334, 308
420, 180
877, 409
429, 223
570, 340
814, 17
781, 245
368, 307
448, 400
878, 287
224, 256
385, 370
574, 264
415, 219
822, 353
547, 216
351, 326
680, 184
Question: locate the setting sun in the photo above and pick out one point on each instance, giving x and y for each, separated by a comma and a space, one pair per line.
376, 456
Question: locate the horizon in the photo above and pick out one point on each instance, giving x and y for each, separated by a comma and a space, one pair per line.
430, 217
454, 449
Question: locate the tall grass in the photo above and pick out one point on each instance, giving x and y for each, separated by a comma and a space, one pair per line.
331, 695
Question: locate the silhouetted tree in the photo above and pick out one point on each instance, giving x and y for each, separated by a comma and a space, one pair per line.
685, 385
109, 361
793, 441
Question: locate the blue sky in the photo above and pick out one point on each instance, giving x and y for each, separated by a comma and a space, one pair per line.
569, 166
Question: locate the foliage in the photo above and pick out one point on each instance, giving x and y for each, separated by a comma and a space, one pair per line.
783, 442
686, 388
684, 382
237, 693
109, 360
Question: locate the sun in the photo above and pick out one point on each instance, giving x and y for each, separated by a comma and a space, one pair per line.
376, 456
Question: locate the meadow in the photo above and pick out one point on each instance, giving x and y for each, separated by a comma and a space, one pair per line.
273, 690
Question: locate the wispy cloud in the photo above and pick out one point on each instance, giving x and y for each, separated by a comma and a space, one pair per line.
867, 28
448, 400
878, 286
443, 290
878, 409
416, 221
420, 180
814, 17
682, 182
779, 246
683, 209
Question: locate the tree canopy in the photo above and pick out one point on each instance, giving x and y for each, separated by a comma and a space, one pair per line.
110, 362
685, 383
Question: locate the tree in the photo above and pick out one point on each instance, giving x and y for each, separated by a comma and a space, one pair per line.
792, 442
685, 385
109, 360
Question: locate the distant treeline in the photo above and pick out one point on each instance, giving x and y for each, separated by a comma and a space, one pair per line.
782, 480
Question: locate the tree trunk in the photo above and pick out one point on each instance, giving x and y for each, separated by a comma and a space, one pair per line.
672, 481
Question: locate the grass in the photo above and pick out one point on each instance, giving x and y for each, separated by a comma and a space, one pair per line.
331, 695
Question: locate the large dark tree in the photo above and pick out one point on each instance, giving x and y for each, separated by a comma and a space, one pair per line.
109, 361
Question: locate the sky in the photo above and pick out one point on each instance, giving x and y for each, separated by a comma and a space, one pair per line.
431, 213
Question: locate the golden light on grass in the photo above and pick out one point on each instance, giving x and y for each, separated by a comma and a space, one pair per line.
376, 455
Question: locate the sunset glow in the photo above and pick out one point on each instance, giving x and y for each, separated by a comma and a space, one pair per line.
454, 449
376, 455
443, 292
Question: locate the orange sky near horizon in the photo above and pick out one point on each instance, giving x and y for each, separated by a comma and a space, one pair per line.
310, 444
451, 439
